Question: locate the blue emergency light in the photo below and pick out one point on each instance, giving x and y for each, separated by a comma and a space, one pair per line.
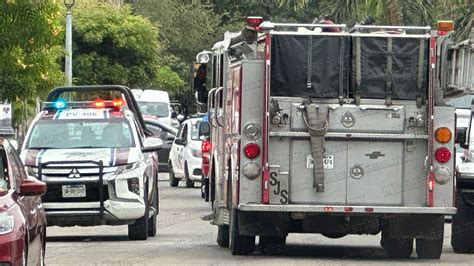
60, 104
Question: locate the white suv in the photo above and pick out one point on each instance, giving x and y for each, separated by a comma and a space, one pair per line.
185, 155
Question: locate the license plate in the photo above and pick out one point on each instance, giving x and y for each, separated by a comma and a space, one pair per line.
74, 191
328, 162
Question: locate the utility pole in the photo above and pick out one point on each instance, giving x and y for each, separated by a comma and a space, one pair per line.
68, 62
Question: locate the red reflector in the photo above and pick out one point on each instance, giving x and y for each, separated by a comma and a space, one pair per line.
328, 209
348, 209
254, 21
251, 150
442, 32
99, 104
206, 146
369, 209
443, 154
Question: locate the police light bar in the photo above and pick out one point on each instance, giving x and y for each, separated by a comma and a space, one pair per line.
61, 104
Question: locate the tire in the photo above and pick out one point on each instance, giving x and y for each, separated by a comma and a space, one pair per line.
152, 221
189, 183
271, 245
43, 248
173, 180
432, 246
139, 229
223, 235
400, 248
462, 224
239, 244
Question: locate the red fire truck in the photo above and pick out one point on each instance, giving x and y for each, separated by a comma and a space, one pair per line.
318, 129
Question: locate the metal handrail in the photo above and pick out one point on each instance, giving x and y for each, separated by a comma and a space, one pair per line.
427, 28
217, 102
210, 100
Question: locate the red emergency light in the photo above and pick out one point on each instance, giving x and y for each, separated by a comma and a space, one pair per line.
116, 104
254, 21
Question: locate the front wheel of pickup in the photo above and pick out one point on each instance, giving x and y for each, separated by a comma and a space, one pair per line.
174, 182
462, 226
400, 248
139, 229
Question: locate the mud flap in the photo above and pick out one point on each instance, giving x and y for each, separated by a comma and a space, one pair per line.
316, 119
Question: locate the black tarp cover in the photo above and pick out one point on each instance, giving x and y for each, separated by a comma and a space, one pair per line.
331, 67
328, 57
404, 81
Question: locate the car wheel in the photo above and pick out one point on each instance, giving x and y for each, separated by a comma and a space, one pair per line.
189, 183
24, 255
173, 180
139, 229
153, 218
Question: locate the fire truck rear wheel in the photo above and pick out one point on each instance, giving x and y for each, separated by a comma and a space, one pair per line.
462, 225
271, 245
432, 246
239, 244
189, 183
173, 180
396, 247
139, 229
223, 235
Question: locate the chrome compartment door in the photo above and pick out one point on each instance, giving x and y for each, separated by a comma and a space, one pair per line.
375, 173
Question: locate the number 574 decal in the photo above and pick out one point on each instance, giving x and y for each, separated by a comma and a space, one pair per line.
278, 187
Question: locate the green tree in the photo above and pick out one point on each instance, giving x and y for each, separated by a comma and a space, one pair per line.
113, 46
30, 48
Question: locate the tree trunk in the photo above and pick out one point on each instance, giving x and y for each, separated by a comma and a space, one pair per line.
394, 14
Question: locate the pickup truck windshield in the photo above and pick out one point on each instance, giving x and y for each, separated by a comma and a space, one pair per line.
71, 134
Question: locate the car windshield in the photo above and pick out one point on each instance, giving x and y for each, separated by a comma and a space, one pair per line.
4, 183
195, 130
70, 134
154, 108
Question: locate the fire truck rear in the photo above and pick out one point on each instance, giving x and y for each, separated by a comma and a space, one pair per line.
317, 129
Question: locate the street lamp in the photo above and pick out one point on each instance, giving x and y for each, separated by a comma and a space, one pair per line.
68, 64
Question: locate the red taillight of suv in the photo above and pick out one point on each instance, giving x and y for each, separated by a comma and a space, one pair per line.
206, 149
205, 146
251, 150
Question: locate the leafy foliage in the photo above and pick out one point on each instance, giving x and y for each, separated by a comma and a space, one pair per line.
29, 48
112, 46
31, 34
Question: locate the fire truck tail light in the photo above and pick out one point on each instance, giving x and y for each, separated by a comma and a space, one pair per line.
443, 135
443, 155
254, 21
206, 146
252, 150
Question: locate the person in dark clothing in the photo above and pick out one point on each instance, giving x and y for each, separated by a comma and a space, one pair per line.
328, 20
200, 84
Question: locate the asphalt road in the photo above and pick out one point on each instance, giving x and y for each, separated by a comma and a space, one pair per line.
186, 237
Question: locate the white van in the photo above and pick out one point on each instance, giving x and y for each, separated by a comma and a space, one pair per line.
154, 104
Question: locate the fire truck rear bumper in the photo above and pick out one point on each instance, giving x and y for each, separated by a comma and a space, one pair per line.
346, 209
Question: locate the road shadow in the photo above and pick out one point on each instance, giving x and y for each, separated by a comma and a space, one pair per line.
102, 238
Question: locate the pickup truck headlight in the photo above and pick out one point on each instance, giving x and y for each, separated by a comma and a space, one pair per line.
6, 224
129, 169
